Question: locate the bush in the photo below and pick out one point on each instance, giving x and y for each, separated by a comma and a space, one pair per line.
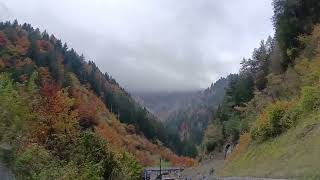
310, 98
35, 162
93, 151
92, 158
274, 120
291, 116
275, 114
262, 128
130, 166
101, 161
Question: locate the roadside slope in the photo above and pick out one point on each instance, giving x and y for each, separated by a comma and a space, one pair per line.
294, 154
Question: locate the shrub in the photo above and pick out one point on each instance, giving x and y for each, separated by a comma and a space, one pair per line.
95, 152
310, 98
262, 128
275, 114
291, 116
35, 162
276, 118
130, 166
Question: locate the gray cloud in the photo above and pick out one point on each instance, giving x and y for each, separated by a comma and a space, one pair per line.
150, 44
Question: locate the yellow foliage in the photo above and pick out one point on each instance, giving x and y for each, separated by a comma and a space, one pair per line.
269, 123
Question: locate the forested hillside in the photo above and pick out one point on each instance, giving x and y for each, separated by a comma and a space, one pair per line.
47, 51
192, 119
60, 114
271, 108
187, 113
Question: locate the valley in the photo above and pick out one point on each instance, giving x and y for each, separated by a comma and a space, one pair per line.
62, 116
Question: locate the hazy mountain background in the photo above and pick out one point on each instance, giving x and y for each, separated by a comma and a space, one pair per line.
187, 113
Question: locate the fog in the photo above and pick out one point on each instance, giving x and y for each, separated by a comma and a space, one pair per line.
153, 45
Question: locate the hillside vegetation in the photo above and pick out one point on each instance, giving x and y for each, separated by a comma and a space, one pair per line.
270, 112
284, 140
59, 115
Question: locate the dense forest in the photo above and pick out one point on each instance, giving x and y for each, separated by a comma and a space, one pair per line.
60, 114
270, 108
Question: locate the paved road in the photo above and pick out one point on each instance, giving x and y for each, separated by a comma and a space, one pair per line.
246, 178
226, 178
5, 173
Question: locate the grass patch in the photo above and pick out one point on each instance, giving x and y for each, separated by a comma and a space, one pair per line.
295, 154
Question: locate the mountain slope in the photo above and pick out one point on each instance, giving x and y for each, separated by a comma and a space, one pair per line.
47, 51
59, 114
294, 154
192, 118
163, 104
284, 139
268, 125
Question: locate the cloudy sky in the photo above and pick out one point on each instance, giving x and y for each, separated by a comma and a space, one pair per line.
153, 45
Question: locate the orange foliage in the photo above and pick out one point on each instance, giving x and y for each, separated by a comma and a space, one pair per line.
110, 134
139, 146
86, 104
244, 142
182, 161
44, 45
121, 137
55, 114
44, 75
49, 90
22, 45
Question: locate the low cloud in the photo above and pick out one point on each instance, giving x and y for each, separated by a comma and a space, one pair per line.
150, 45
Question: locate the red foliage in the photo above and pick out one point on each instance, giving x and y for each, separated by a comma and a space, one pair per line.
49, 90
111, 136
22, 45
55, 114
44, 45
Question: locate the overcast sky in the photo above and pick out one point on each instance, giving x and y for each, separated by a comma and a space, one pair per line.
153, 45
